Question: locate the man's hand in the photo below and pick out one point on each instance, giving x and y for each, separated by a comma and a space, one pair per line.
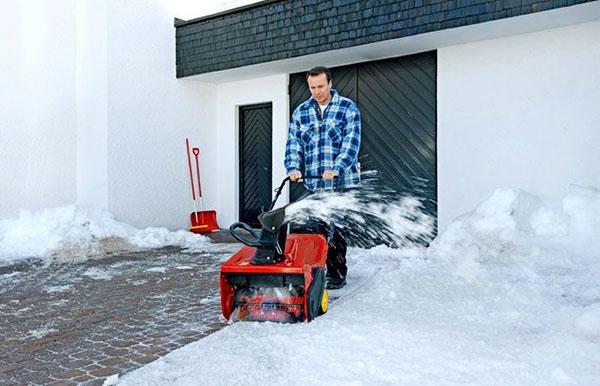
329, 175
295, 176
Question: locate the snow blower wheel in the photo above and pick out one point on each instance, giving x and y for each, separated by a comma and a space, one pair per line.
324, 302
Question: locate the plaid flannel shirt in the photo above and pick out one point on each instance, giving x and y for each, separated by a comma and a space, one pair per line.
330, 142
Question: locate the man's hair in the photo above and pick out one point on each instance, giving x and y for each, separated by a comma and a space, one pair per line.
318, 71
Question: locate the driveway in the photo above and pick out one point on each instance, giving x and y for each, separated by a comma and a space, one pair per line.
82, 322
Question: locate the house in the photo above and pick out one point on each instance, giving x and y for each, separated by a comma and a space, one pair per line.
457, 97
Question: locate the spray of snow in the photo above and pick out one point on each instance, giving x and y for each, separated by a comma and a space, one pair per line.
369, 215
70, 233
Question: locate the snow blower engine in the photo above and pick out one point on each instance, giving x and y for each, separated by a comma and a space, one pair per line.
276, 276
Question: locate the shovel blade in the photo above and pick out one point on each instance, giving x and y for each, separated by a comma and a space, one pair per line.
204, 221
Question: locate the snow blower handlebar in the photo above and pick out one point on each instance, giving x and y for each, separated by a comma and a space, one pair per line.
233, 230
271, 221
286, 179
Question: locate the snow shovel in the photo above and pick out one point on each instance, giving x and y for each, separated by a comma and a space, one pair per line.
203, 221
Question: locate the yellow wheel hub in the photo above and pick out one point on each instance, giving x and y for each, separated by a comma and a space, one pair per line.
324, 302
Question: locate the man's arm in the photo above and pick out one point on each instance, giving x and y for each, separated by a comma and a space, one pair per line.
350, 142
293, 149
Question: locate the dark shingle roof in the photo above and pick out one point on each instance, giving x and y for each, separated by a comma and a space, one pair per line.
273, 30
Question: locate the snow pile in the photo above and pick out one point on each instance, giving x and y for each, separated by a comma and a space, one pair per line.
514, 226
70, 232
508, 294
583, 208
589, 322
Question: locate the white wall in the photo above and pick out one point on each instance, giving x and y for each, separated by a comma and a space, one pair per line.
230, 96
92, 103
150, 113
92, 112
518, 112
37, 105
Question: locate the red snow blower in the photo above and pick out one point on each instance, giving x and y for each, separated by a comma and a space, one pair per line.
276, 276
202, 221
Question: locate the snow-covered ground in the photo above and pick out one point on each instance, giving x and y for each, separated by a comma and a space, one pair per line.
71, 233
508, 294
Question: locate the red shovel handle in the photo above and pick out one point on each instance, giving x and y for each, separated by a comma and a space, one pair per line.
196, 152
187, 147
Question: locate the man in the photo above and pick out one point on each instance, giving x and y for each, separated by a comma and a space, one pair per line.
324, 137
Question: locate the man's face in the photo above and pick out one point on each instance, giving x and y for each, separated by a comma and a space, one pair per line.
320, 88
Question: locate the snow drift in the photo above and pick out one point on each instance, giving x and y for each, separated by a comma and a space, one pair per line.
71, 233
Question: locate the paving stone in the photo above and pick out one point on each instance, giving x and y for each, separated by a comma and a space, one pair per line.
39, 365
78, 363
184, 341
115, 351
61, 383
104, 371
133, 357
8, 369
90, 368
35, 377
94, 382
74, 373
171, 346
111, 362
125, 343
189, 333
147, 359
81, 379
67, 374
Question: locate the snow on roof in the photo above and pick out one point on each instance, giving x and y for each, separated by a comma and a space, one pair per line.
190, 9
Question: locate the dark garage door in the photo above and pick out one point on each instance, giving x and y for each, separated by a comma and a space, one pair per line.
397, 100
256, 133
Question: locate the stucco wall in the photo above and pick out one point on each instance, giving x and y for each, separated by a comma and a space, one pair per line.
150, 113
518, 112
92, 112
224, 178
38, 128
92, 103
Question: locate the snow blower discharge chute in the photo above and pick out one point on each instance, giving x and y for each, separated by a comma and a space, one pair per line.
276, 276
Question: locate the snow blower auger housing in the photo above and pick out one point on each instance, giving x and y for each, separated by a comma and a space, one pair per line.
276, 276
